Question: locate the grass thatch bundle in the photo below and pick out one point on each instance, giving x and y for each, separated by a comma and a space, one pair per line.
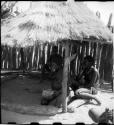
53, 21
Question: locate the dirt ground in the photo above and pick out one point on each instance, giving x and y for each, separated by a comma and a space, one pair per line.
27, 93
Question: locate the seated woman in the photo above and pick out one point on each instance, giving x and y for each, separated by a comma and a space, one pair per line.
54, 68
55, 62
56, 87
85, 84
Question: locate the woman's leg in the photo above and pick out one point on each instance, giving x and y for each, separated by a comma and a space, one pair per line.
86, 94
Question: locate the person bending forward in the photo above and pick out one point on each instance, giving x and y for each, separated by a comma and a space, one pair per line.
86, 82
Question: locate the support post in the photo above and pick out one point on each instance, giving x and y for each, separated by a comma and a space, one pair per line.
113, 72
65, 79
113, 64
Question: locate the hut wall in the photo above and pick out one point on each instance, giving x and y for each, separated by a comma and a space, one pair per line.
106, 64
36, 56
102, 54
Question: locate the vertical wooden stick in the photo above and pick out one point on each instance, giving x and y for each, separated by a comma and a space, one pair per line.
87, 48
11, 59
77, 58
42, 54
26, 62
2, 53
95, 53
4, 57
73, 67
92, 49
109, 63
30, 58
65, 79
71, 64
33, 53
16, 58
38, 56
106, 65
99, 55
46, 51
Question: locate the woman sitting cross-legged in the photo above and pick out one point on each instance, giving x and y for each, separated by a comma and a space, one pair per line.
56, 86
51, 96
85, 84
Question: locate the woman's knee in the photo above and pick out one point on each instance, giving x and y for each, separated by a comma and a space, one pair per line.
81, 91
77, 92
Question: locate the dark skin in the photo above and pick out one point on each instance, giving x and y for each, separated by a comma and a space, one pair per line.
85, 88
57, 87
55, 61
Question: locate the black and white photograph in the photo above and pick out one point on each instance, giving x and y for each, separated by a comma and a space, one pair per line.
57, 62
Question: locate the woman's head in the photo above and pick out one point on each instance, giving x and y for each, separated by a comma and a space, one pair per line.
54, 67
88, 61
55, 49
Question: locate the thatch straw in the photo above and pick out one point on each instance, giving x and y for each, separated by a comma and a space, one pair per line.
54, 21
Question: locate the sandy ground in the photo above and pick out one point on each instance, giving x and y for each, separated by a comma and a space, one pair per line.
19, 91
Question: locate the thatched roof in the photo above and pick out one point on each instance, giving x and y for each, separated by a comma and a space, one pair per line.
53, 21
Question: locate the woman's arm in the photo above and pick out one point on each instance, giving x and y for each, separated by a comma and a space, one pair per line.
94, 79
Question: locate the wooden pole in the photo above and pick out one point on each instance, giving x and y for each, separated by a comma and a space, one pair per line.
95, 53
65, 79
113, 66
113, 72
45, 53
26, 58
76, 64
87, 48
78, 59
30, 59
109, 64
5, 53
38, 56
34, 57
33, 53
82, 51
92, 49
7, 57
99, 56
1, 56
14, 57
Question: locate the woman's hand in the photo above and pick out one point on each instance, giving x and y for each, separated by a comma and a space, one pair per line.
82, 81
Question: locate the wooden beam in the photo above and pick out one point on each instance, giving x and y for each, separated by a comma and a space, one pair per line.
98, 41
80, 41
65, 79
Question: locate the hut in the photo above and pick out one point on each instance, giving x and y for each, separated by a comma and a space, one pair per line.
70, 25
